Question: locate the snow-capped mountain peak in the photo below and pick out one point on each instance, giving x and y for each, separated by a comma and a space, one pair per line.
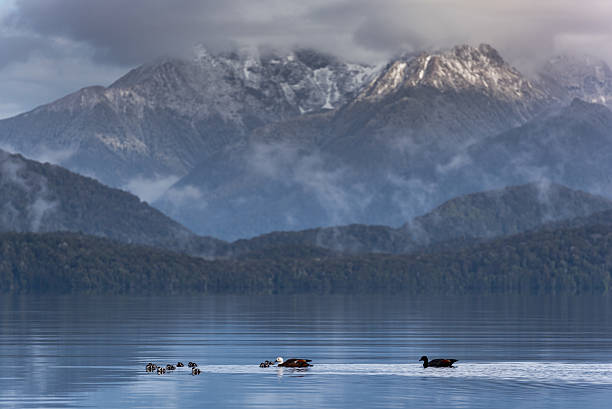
462, 67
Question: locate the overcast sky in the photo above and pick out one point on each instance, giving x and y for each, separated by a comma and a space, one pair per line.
49, 48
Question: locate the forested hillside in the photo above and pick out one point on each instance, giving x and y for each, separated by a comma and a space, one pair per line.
564, 260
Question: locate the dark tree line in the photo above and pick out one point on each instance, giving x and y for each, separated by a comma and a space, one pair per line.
564, 260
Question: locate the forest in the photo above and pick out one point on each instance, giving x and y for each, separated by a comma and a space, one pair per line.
563, 260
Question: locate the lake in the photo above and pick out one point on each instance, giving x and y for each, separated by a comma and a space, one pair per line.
532, 352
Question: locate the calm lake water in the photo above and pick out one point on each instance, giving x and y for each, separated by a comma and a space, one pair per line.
532, 352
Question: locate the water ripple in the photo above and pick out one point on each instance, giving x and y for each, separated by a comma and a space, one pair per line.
544, 373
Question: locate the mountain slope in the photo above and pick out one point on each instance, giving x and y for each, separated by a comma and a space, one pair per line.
568, 261
375, 160
36, 197
571, 146
481, 216
259, 141
161, 118
586, 77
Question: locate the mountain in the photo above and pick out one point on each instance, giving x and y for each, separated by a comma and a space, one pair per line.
587, 78
504, 212
477, 216
162, 118
451, 96
571, 146
36, 197
255, 141
375, 160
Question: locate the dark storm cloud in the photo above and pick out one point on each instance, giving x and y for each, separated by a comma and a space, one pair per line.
130, 32
124, 32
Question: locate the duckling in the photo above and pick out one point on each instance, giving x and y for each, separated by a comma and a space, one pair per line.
151, 367
170, 367
195, 371
266, 364
180, 365
161, 370
192, 364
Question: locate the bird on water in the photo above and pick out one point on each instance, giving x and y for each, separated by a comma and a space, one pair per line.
438, 363
293, 362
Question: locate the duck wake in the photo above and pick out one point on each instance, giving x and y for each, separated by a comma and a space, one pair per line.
530, 372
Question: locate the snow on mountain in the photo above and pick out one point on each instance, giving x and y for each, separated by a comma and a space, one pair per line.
244, 83
586, 77
259, 140
376, 160
460, 68
163, 117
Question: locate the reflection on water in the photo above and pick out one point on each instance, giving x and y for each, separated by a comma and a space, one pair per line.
514, 351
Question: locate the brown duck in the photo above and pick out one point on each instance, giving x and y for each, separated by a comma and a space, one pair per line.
438, 363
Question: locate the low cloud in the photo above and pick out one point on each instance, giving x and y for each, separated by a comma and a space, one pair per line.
187, 195
458, 161
55, 156
412, 196
150, 189
26, 208
330, 183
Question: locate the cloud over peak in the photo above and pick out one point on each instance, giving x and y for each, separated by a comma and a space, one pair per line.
116, 34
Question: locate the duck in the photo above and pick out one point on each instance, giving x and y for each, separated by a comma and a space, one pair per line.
170, 367
192, 364
151, 367
293, 362
161, 370
180, 365
195, 371
438, 363
266, 364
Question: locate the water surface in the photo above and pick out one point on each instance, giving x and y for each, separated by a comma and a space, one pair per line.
535, 352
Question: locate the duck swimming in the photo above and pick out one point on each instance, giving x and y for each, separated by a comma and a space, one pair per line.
180, 365
266, 364
438, 363
161, 370
195, 371
151, 367
170, 367
192, 364
293, 362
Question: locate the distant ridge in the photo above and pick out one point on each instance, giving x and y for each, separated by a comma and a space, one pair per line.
37, 197
482, 215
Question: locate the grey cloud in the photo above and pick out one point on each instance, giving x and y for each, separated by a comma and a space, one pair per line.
93, 41
138, 30
19, 48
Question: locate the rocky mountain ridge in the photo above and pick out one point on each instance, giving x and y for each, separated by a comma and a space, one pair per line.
164, 117
258, 141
